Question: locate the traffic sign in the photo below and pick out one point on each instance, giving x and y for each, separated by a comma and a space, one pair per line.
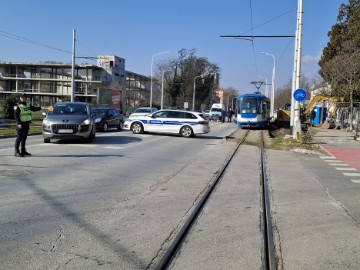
299, 94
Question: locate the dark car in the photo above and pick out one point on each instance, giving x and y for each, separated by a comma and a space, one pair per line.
106, 118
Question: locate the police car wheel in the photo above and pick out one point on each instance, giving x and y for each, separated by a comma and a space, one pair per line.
137, 128
186, 131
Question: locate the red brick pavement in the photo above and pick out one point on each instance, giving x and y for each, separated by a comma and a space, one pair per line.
348, 156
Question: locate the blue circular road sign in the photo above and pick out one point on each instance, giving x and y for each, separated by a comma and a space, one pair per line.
299, 94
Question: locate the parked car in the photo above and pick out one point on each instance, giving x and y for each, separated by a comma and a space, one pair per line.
216, 111
106, 118
186, 123
143, 111
68, 120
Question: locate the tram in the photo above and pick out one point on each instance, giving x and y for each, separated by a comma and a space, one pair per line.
253, 111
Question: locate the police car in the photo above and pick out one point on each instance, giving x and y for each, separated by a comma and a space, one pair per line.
186, 123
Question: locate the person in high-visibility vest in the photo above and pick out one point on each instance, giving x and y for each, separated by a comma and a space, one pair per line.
22, 115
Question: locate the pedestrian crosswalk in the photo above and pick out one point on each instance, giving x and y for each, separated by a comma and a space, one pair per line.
347, 171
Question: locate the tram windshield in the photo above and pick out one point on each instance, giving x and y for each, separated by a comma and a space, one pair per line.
249, 105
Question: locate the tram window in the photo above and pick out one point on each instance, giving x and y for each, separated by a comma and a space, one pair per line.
249, 105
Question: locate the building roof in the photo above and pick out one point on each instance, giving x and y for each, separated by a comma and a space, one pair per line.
44, 64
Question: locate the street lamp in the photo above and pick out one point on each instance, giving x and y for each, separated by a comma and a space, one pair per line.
193, 105
162, 91
202, 76
272, 85
151, 76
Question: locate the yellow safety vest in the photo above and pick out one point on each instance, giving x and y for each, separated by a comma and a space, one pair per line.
25, 112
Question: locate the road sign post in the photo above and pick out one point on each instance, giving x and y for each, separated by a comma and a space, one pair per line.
299, 95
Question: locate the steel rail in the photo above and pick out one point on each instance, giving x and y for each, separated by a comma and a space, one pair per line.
171, 252
268, 245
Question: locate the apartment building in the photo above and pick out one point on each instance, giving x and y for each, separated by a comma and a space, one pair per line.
105, 84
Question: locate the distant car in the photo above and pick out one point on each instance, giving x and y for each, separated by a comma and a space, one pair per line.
203, 113
207, 113
68, 120
216, 111
215, 114
143, 111
181, 122
106, 118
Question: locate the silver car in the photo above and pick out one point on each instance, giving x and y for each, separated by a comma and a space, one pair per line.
69, 120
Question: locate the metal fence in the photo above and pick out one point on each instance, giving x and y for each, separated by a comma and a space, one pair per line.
343, 119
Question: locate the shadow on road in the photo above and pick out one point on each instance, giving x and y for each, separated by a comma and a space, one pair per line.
104, 238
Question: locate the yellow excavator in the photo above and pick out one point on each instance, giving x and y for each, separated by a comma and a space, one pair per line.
283, 115
330, 121
318, 98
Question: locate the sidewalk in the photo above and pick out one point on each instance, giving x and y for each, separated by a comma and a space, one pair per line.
315, 204
339, 144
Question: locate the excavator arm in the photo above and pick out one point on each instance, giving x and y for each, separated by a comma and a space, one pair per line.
317, 98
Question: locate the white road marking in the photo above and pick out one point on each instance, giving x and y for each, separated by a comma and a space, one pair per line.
333, 161
346, 169
338, 164
113, 147
351, 174
327, 157
355, 181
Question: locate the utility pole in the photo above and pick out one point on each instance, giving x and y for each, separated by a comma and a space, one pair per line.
73, 69
295, 108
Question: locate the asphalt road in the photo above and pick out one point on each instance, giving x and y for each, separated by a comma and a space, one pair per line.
118, 202
110, 204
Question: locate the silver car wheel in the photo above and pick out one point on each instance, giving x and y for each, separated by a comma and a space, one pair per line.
105, 128
137, 128
186, 131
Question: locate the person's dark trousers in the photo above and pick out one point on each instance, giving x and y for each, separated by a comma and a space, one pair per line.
21, 134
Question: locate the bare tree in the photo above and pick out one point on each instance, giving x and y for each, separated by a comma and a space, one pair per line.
283, 94
344, 73
230, 95
179, 75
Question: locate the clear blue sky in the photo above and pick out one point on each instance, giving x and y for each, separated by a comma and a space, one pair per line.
138, 29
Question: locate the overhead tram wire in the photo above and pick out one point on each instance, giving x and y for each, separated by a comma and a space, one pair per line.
26, 40
252, 36
268, 21
263, 36
252, 40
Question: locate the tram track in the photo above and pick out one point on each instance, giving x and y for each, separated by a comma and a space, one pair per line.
269, 246
268, 251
